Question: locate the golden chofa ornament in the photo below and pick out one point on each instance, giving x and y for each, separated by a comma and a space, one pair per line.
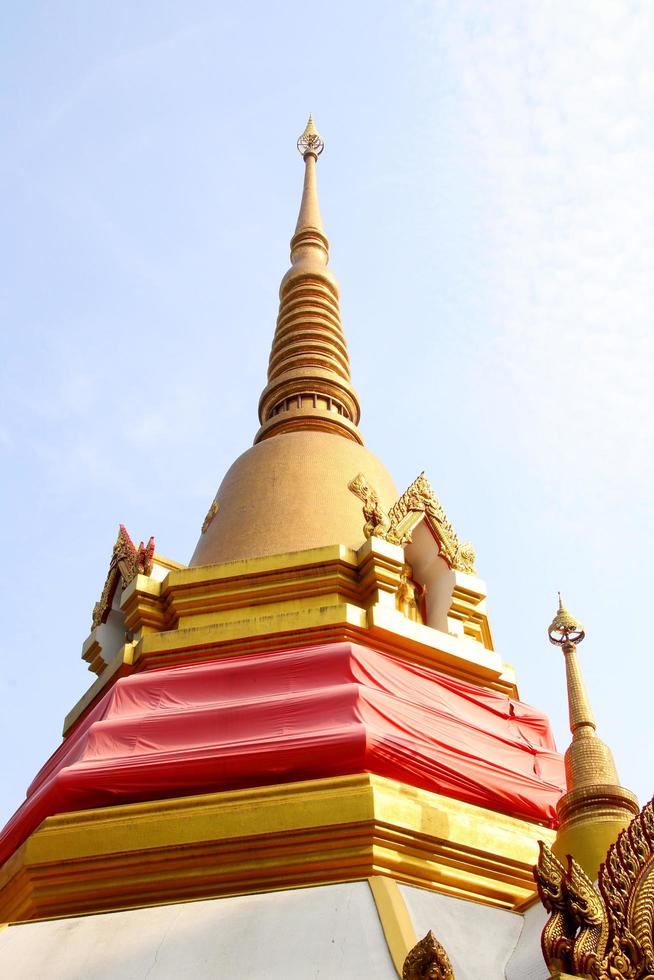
310, 141
564, 628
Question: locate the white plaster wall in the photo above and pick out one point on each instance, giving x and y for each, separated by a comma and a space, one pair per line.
432, 571
158, 572
332, 931
111, 635
478, 939
527, 961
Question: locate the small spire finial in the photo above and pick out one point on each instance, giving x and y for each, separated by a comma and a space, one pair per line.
310, 142
564, 628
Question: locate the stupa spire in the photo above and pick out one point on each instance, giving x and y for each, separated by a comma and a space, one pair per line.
565, 631
596, 806
309, 384
310, 144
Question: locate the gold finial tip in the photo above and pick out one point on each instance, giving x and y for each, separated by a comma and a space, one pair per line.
310, 142
564, 628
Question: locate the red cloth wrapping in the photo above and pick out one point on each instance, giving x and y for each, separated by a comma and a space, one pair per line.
300, 714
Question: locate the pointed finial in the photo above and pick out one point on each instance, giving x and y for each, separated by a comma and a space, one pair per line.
564, 628
310, 142
566, 632
595, 807
309, 385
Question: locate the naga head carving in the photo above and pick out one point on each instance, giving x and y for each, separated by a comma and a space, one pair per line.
584, 901
606, 934
549, 874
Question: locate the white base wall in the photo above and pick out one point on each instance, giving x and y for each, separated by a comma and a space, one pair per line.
330, 932
483, 943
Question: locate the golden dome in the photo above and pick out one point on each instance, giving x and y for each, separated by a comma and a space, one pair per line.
290, 493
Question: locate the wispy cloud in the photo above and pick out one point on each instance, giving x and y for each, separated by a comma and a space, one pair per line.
557, 106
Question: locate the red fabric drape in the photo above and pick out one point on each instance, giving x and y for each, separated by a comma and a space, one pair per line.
300, 714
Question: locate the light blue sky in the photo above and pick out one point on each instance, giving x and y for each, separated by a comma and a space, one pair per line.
486, 187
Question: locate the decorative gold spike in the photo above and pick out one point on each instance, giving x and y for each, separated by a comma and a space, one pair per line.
427, 959
310, 141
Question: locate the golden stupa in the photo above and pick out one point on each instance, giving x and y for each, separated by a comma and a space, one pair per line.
302, 752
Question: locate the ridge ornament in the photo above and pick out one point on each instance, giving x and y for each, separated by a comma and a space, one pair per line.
396, 525
127, 561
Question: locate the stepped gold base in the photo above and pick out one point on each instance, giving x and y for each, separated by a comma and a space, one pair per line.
306, 833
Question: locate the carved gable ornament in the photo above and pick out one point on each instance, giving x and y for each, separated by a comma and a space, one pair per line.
427, 961
604, 933
127, 561
417, 503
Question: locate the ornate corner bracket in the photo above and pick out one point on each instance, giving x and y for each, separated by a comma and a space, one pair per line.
604, 933
427, 961
396, 525
127, 561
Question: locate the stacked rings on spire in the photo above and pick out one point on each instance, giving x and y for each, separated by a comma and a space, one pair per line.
309, 383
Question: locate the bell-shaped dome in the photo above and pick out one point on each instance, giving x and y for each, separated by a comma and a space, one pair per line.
290, 493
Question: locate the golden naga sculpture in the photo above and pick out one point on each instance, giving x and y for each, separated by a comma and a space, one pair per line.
418, 501
605, 934
377, 524
127, 561
427, 961
549, 875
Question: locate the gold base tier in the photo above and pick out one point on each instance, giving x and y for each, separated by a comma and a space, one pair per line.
262, 839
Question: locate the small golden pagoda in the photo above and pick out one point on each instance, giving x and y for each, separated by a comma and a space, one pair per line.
302, 752
605, 930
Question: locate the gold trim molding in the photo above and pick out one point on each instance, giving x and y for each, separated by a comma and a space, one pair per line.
312, 832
